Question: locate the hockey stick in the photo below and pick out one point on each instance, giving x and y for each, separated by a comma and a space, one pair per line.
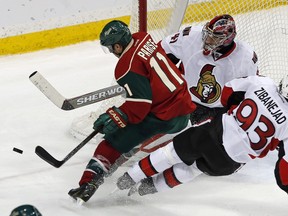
73, 103
42, 153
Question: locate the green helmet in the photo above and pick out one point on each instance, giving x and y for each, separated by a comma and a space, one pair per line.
25, 210
114, 32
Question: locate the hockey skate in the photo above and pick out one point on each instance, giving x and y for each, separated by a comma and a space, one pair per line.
125, 182
86, 191
144, 187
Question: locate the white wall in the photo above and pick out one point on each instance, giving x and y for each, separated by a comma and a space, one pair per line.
24, 16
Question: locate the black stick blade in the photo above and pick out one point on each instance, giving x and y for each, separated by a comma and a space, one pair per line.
42, 153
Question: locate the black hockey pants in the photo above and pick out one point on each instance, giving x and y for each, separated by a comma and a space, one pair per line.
203, 144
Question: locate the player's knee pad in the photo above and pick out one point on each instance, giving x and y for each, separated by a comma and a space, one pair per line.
185, 173
170, 154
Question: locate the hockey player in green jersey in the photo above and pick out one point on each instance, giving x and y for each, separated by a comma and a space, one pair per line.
157, 102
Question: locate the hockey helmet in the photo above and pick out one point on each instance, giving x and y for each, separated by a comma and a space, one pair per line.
283, 86
219, 32
114, 32
25, 210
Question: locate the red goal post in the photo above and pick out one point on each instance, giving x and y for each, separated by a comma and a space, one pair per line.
142, 14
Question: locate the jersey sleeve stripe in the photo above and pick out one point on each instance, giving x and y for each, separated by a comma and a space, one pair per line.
139, 100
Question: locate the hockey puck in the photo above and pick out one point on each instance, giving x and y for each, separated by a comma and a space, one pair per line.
17, 150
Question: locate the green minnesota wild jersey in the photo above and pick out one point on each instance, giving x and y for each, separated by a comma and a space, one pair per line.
152, 82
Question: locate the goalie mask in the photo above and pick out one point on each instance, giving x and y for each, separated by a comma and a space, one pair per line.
219, 32
283, 87
115, 32
25, 210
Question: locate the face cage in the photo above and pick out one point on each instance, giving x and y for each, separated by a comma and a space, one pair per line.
283, 87
219, 40
107, 49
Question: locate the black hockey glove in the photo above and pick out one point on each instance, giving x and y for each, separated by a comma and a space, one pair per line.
111, 121
235, 99
202, 114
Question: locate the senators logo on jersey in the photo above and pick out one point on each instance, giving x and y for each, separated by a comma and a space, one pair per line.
208, 89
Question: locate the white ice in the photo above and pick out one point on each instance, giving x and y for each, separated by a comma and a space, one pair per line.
28, 119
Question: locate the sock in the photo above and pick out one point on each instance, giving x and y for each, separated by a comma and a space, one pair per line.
103, 157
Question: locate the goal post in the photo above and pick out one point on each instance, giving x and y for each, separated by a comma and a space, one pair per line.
142, 14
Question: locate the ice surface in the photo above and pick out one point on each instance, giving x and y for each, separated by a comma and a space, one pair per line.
29, 119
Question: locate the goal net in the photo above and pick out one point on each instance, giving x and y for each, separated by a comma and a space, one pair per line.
262, 23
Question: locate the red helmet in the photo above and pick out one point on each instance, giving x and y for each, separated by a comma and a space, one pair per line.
219, 32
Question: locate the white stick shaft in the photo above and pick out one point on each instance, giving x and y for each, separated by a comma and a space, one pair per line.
47, 89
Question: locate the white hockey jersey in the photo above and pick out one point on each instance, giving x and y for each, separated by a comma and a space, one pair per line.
259, 123
204, 75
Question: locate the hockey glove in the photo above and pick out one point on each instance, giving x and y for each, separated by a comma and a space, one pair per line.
202, 114
111, 121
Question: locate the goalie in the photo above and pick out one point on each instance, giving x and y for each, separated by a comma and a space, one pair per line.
157, 102
210, 56
253, 126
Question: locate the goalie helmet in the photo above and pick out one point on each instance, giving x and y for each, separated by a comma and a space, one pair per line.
114, 32
283, 87
25, 210
219, 32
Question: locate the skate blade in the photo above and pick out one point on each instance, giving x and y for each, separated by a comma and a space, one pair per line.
114, 191
79, 202
72, 199
133, 190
